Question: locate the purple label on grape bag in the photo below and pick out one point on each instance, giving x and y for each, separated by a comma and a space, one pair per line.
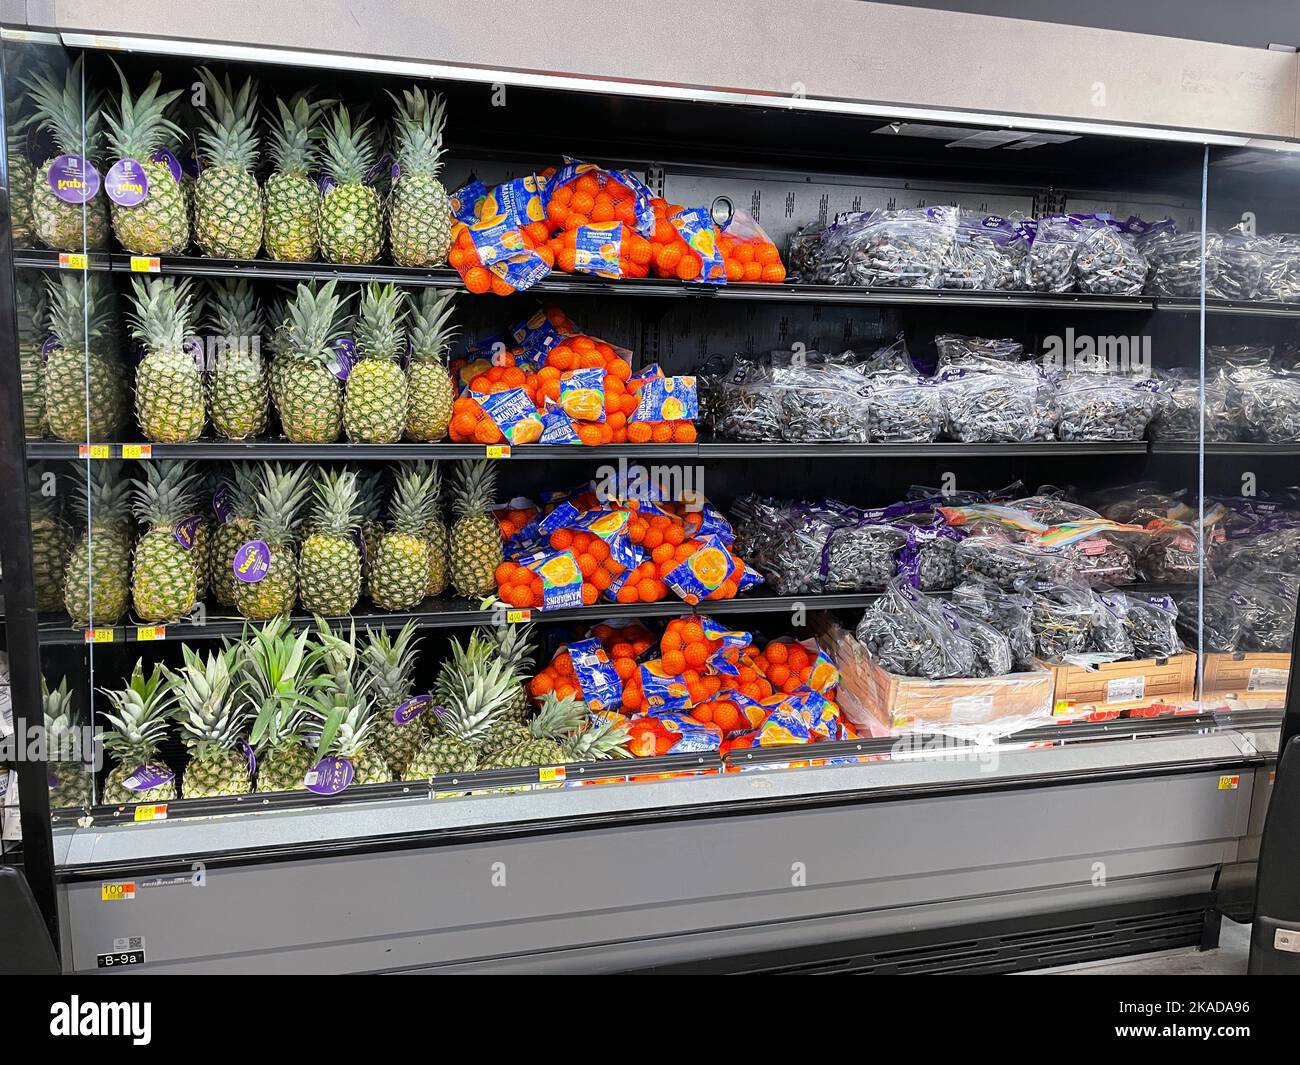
246, 749
412, 708
148, 776
344, 355
221, 504
329, 776
187, 530
126, 183
252, 561
73, 179
168, 158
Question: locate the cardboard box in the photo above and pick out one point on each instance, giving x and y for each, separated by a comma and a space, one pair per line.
870, 696
1122, 686
1254, 678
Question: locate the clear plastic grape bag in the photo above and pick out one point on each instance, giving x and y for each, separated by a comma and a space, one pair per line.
1107, 261
821, 403
1174, 259
1179, 415
1105, 407
1049, 264
903, 408
894, 249
1269, 408
1012, 405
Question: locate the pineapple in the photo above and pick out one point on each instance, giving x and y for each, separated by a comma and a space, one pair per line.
345, 712
597, 742
211, 717
471, 694
517, 647
51, 546
169, 402
30, 311
390, 664
540, 740
292, 196
164, 585
234, 529
374, 405
399, 569
86, 386
278, 501
228, 211
137, 727
330, 563
371, 506
419, 209
430, 390
160, 224
238, 390
475, 540
351, 217
97, 584
435, 532
277, 676
71, 775
306, 391
72, 113
21, 179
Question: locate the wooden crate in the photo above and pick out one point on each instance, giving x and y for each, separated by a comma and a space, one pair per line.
1122, 686
1253, 678
870, 695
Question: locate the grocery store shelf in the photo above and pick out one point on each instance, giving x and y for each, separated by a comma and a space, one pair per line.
444, 614
1228, 447
1192, 305
945, 449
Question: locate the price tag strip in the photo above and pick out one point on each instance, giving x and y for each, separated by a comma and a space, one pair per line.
145, 633
137, 451
74, 260
100, 635
151, 812
498, 451
145, 264
94, 451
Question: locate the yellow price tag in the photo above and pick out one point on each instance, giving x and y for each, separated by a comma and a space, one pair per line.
99, 636
151, 632
515, 617
551, 773
137, 451
74, 260
117, 892
145, 264
1229, 783
154, 812
498, 451
94, 451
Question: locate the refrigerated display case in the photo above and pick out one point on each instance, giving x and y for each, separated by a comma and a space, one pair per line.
980, 479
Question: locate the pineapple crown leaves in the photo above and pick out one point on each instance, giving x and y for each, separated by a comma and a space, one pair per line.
141, 712
231, 139
474, 688
57, 707
79, 309
598, 741
232, 311
240, 483
419, 122
515, 643
105, 493
278, 672
336, 506
473, 488
390, 662
557, 718
71, 112
381, 319
209, 711
296, 134
342, 707
349, 150
414, 497
164, 312
431, 332
141, 126
313, 322
277, 508
167, 493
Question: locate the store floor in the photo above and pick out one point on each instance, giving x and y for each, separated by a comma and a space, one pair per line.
1228, 960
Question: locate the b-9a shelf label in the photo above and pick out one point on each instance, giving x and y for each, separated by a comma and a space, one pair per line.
99, 636
517, 617
497, 451
145, 264
145, 633
152, 812
119, 892
94, 451
1229, 783
137, 451
74, 260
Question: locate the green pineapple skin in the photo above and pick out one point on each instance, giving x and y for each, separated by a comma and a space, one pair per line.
429, 399
329, 575
73, 784
238, 395
419, 221
169, 402
309, 400
226, 542
399, 572
440, 755
529, 753
504, 734
158, 226
475, 550
51, 548
283, 768
222, 773
32, 369
67, 226
374, 404
293, 207
351, 225
436, 535
369, 767
70, 418
228, 214
99, 571
163, 582
274, 594
115, 794
20, 204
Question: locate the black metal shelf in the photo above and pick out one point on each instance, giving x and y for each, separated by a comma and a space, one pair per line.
1259, 309
218, 623
1225, 447
945, 449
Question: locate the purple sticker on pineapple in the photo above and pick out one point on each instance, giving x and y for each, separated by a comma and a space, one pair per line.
246, 749
343, 355
252, 561
221, 504
412, 708
148, 776
325, 182
126, 183
187, 530
73, 179
51, 344
168, 158
329, 776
